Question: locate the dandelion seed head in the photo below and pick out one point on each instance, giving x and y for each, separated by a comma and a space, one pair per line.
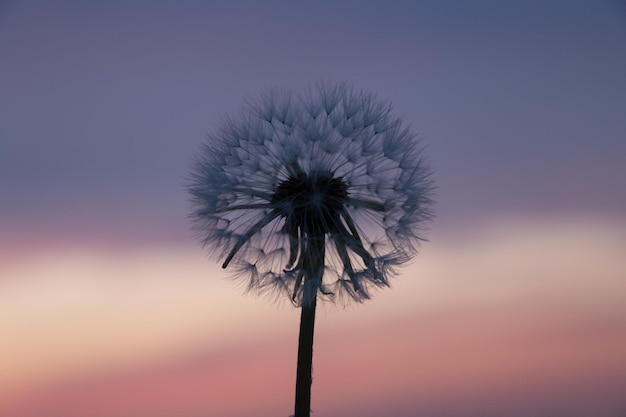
329, 168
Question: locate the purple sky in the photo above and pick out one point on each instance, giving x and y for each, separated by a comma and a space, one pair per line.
103, 104
522, 105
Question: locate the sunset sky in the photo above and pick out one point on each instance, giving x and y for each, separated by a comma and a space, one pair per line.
516, 307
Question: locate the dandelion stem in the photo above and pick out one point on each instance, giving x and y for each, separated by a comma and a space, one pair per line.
304, 373
313, 265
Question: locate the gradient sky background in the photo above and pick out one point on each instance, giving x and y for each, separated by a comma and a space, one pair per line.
516, 307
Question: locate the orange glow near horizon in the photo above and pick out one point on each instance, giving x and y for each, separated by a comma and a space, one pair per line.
517, 312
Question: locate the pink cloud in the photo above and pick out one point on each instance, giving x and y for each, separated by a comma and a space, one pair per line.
478, 361
527, 320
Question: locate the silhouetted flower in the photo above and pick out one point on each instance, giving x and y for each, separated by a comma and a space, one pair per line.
315, 194
325, 180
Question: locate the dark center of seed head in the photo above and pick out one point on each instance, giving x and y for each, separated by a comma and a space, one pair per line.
313, 202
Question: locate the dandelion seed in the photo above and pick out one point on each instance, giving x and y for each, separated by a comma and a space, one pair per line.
321, 195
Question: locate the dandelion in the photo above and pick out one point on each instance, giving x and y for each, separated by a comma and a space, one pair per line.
314, 195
